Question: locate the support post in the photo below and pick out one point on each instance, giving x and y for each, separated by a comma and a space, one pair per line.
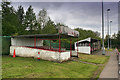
70, 47
35, 42
77, 48
90, 48
50, 44
59, 44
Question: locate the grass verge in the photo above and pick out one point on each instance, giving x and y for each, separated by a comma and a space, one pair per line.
97, 59
31, 68
20, 67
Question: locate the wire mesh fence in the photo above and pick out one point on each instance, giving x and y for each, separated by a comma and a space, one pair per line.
55, 45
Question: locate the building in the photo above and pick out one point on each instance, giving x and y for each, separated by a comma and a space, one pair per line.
33, 46
87, 45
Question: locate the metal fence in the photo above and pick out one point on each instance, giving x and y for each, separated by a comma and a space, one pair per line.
56, 44
6, 42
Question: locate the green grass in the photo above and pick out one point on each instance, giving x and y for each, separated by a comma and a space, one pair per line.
20, 67
111, 49
97, 59
31, 68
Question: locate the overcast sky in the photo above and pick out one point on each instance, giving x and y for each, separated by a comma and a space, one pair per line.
86, 15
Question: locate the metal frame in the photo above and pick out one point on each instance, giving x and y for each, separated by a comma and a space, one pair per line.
50, 37
59, 44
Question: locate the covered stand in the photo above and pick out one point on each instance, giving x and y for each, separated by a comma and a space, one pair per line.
88, 45
31, 45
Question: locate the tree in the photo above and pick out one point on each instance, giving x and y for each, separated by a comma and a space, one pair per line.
60, 24
20, 13
30, 20
114, 36
87, 33
106, 41
42, 18
37, 28
49, 28
9, 19
116, 40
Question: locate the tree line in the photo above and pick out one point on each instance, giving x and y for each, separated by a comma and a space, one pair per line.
114, 40
19, 22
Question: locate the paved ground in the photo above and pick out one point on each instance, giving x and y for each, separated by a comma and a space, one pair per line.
111, 68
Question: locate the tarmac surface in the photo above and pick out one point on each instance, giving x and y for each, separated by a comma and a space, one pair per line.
111, 68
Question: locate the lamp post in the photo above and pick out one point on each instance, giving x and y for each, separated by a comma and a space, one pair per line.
108, 10
103, 51
110, 34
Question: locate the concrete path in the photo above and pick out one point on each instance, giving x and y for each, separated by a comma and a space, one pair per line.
111, 68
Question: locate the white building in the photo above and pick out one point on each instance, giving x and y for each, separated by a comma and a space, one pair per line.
87, 45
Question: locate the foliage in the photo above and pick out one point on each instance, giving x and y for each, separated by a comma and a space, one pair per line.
49, 28
10, 20
115, 40
86, 33
30, 20
42, 18
20, 14
106, 41
118, 40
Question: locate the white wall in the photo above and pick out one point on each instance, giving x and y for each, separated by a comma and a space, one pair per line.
44, 54
83, 49
25, 42
74, 53
64, 56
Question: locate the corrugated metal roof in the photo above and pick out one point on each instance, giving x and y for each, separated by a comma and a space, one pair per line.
45, 36
88, 40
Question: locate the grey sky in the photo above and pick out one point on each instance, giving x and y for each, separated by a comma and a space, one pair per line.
86, 15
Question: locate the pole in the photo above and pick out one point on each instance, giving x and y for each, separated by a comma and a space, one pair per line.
110, 34
103, 51
108, 27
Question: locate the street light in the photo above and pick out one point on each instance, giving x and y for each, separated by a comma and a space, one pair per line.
110, 34
108, 10
103, 51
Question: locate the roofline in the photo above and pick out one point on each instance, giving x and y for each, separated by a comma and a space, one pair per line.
45, 36
86, 39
